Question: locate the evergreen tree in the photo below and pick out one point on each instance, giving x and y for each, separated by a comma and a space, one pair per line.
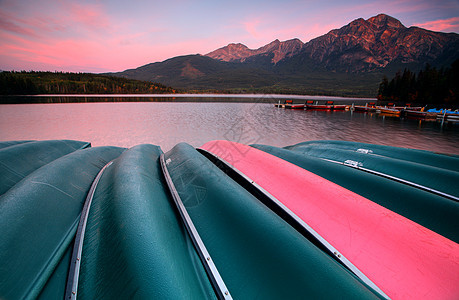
429, 86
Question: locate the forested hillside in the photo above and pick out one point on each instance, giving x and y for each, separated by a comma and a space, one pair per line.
31, 83
429, 86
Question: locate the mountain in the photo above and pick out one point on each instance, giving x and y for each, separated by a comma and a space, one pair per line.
240, 53
366, 45
349, 61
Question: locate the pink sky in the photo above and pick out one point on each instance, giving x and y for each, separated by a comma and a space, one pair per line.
103, 35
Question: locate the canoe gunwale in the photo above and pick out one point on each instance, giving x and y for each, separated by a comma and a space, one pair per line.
285, 213
71, 289
397, 179
215, 278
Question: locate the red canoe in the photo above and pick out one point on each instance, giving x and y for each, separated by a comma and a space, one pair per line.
404, 259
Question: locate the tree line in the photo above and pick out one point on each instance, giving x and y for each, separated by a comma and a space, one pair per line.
429, 86
32, 83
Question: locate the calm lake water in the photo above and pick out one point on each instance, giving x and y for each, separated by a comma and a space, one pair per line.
168, 123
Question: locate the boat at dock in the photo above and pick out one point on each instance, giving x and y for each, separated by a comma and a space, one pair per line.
319, 219
449, 118
328, 105
388, 111
369, 107
295, 106
288, 104
420, 115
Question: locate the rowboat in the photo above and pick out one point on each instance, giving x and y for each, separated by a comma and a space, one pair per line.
369, 107
422, 115
295, 106
327, 106
320, 219
288, 104
448, 118
388, 111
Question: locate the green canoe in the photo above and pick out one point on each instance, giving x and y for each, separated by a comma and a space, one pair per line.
38, 219
135, 246
438, 160
434, 171
19, 160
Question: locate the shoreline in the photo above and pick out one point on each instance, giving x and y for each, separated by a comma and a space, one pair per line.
246, 98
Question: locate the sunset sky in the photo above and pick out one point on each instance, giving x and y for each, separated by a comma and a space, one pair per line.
102, 35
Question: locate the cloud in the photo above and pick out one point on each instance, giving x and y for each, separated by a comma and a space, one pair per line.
446, 25
66, 34
251, 27
91, 16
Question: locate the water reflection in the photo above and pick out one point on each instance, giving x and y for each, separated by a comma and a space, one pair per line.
168, 123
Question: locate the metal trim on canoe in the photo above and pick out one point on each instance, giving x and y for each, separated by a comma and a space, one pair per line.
214, 276
71, 289
292, 216
357, 165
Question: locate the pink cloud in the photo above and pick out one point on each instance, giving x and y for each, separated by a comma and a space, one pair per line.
447, 25
251, 27
90, 15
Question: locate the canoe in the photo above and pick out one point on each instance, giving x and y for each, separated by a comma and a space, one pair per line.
134, 244
387, 255
432, 211
424, 176
38, 220
20, 159
256, 253
439, 160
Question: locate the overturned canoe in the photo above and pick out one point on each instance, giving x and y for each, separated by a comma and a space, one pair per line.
19, 159
421, 173
134, 244
38, 220
438, 160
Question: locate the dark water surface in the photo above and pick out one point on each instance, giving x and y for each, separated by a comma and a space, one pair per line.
168, 123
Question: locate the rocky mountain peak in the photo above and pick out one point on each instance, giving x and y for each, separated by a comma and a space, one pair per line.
365, 45
383, 20
239, 52
230, 52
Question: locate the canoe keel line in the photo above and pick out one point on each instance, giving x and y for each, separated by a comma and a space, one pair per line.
359, 166
71, 289
214, 276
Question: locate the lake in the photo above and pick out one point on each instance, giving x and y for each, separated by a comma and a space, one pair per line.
165, 124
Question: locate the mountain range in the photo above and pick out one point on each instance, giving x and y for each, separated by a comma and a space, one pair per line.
350, 61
